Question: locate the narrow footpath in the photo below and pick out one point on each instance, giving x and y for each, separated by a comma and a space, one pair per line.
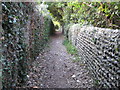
55, 68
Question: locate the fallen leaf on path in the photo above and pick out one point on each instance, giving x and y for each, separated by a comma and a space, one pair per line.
73, 76
35, 87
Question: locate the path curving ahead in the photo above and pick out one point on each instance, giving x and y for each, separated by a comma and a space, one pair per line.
54, 68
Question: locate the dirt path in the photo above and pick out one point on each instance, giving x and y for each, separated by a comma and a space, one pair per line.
55, 69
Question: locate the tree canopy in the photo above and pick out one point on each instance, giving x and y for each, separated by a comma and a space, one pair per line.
99, 14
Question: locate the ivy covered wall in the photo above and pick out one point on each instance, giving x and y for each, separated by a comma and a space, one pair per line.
25, 34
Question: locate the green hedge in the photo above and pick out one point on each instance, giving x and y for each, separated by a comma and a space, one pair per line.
25, 34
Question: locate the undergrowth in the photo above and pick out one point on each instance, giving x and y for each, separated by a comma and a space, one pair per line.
71, 50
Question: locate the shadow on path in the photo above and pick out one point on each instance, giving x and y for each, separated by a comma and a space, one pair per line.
57, 34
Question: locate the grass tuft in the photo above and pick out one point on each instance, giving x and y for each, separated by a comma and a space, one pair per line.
71, 50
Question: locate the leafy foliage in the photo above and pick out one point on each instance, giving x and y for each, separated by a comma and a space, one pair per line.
25, 34
100, 14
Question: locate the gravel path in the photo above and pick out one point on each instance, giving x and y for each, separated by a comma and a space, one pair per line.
55, 69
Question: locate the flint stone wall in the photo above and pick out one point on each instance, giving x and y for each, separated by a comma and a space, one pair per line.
100, 49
